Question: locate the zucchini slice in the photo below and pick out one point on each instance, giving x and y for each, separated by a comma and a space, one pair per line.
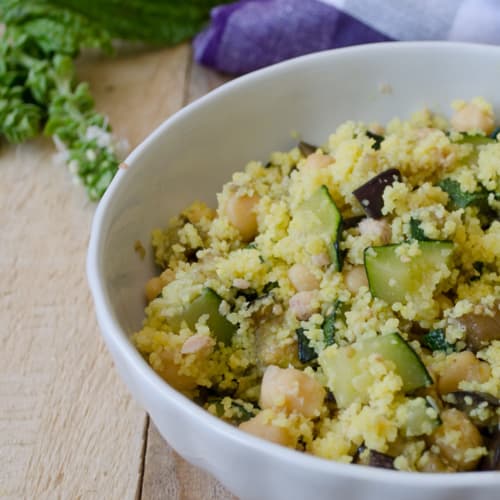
350, 381
476, 139
326, 222
392, 280
208, 303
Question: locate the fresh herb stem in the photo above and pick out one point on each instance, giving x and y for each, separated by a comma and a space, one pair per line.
38, 89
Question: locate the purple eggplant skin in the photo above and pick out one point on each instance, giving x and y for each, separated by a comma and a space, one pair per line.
370, 194
381, 460
353, 221
307, 149
468, 401
492, 460
374, 459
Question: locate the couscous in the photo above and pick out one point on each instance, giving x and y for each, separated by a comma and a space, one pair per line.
344, 300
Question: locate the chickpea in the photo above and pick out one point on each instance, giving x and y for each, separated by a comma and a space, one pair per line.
430, 462
471, 117
167, 276
291, 390
454, 437
302, 305
198, 344
153, 288
262, 426
168, 369
241, 213
302, 279
155, 285
355, 278
318, 160
462, 366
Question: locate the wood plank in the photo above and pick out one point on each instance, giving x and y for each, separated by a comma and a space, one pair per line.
68, 428
166, 474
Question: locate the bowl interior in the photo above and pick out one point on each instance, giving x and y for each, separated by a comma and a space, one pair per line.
192, 154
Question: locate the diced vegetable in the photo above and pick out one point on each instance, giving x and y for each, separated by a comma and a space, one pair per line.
416, 232
463, 199
393, 280
306, 149
306, 352
370, 194
480, 407
252, 294
328, 326
320, 217
352, 221
208, 303
373, 458
435, 340
492, 460
377, 138
239, 411
481, 329
351, 380
476, 139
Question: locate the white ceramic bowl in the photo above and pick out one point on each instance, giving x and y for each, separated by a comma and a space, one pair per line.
189, 157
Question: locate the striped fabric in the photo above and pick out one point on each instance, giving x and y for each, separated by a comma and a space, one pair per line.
249, 34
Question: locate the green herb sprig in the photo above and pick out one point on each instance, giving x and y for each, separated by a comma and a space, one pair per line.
38, 88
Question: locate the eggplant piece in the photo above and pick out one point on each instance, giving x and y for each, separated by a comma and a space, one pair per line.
492, 460
352, 221
470, 401
307, 149
481, 329
306, 352
370, 194
373, 458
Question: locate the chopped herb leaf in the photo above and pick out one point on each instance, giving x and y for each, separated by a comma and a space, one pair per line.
463, 199
435, 340
377, 138
306, 352
416, 232
269, 286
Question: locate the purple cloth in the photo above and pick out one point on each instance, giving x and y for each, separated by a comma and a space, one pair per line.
250, 34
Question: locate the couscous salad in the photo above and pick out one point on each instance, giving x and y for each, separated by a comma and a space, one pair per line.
344, 300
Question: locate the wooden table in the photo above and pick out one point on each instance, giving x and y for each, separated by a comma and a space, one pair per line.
68, 427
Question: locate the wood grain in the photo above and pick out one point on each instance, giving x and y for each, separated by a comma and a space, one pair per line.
169, 477
68, 428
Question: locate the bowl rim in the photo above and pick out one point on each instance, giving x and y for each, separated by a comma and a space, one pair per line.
115, 335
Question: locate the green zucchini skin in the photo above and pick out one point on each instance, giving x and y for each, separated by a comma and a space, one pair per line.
328, 222
208, 303
392, 280
351, 382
